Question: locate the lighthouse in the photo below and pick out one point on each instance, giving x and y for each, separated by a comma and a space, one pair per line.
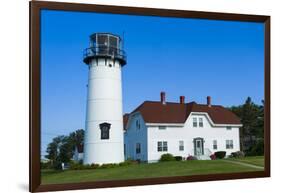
103, 141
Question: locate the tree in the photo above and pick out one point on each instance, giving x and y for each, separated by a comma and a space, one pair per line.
61, 149
76, 138
252, 118
53, 148
249, 119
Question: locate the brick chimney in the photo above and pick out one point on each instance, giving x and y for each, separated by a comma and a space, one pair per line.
209, 101
163, 98
182, 99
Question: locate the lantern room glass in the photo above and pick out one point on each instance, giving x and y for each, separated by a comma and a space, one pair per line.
105, 40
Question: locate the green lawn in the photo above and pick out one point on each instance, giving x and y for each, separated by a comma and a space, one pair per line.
174, 168
255, 160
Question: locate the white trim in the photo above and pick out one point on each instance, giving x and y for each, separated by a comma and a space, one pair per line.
165, 124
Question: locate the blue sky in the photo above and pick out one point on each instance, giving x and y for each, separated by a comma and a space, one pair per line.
190, 57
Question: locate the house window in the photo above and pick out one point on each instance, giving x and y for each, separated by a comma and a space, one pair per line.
181, 145
104, 127
137, 124
229, 144
194, 122
162, 127
228, 128
165, 146
138, 148
200, 122
162, 146
215, 144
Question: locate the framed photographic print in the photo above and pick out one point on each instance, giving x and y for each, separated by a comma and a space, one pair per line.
123, 96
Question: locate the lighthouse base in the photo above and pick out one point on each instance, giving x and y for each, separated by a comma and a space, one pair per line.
103, 153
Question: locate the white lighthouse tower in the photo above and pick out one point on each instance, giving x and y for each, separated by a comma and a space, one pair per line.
104, 120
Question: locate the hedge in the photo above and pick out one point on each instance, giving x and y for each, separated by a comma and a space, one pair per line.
167, 157
220, 154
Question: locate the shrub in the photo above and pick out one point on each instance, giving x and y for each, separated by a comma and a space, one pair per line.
46, 165
190, 157
79, 166
57, 165
125, 163
167, 157
220, 154
237, 154
110, 165
95, 166
75, 166
128, 162
178, 158
213, 157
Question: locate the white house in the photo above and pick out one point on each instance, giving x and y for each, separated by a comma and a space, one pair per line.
182, 129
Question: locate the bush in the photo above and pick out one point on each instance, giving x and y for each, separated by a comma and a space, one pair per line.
237, 154
128, 162
57, 165
75, 166
110, 165
213, 157
167, 157
220, 154
178, 158
79, 166
46, 165
95, 166
190, 157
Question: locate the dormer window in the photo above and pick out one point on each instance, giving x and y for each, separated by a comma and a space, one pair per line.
200, 122
194, 122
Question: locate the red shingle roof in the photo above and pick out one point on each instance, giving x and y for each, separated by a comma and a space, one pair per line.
156, 112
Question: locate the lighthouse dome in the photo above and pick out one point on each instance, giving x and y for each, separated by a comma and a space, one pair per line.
105, 45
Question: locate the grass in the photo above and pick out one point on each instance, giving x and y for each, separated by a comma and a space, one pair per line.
137, 171
254, 160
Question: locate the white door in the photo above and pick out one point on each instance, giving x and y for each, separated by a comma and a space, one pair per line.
198, 147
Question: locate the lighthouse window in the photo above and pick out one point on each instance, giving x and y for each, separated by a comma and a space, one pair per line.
104, 127
102, 40
113, 41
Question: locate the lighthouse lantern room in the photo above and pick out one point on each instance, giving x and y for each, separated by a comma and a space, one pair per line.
103, 141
